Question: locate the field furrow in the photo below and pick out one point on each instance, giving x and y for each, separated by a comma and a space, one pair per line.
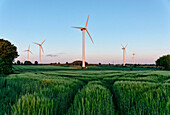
93, 99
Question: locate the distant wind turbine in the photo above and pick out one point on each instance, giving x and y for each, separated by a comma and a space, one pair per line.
84, 29
133, 58
40, 48
28, 51
124, 54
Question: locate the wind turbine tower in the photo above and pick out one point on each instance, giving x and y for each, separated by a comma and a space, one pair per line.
40, 48
124, 48
28, 51
133, 58
83, 29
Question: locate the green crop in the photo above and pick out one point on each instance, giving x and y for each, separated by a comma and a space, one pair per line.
59, 90
141, 98
93, 99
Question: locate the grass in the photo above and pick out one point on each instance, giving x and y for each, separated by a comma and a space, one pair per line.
97, 90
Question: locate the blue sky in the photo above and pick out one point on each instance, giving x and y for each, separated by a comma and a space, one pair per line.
143, 24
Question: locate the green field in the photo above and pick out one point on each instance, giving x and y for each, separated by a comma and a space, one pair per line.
59, 90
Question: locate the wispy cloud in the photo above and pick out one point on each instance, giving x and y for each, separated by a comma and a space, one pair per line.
54, 55
51, 55
61, 53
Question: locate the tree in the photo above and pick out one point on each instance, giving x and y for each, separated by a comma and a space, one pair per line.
27, 63
18, 62
164, 61
78, 62
8, 52
36, 62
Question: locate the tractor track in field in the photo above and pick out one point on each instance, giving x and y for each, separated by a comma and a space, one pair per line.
73, 97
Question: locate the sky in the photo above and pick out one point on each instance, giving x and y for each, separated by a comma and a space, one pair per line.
142, 24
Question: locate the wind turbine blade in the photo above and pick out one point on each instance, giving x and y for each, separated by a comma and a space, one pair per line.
87, 21
126, 46
42, 42
24, 50
89, 36
36, 43
42, 49
30, 51
29, 47
78, 27
122, 45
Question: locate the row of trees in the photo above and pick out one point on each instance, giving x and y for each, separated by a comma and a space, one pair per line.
25, 63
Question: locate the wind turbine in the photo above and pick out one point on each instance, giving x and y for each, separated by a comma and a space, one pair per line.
124, 54
84, 29
28, 51
40, 48
133, 58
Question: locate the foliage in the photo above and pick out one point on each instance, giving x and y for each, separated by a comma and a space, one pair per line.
77, 62
18, 62
8, 52
36, 62
164, 61
27, 63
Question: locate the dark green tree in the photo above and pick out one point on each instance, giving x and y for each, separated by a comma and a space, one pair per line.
18, 62
164, 61
27, 63
8, 52
36, 62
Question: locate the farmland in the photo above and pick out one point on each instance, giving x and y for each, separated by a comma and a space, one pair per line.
62, 90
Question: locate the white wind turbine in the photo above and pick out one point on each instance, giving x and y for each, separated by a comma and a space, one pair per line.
28, 51
84, 29
124, 48
40, 48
